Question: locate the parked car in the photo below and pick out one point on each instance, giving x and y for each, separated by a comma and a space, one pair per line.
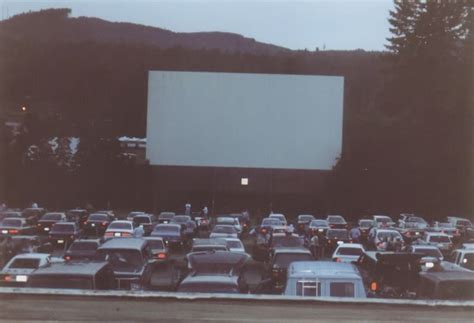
348, 252
158, 248
426, 250
460, 223
47, 221
10, 214
78, 216
224, 231
390, 274
109, 213
386, 240
216, 284
97, 223
440, 240
216, 263
188, 225
333, 238
448, 228
324, 279
235, 245
463, 258
132, 214
318, 227
227, 220
446, 285
165, 217
280, 217
130, 259
64, 233
279, 262
20, 267
84, 249
303, 223
15, 226
119, 229
96, 275
383, 221
172, 234
336, 222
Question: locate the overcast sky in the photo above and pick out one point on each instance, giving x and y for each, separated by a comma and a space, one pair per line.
300, 24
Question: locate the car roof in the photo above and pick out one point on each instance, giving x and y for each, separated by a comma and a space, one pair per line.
326, 269
152, 238
209, 242
129, 243
62, 213
122, 221
351, 245
276, 215
72, 268
387, 230
161, 225
448, 275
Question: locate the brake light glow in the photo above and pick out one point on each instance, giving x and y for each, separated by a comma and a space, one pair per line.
8, 278
161, 255
338, 260
67, 258
263, 231
14, 231
104, 224
108, 234
126, 234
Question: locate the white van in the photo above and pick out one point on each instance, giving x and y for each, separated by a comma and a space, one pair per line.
324, 279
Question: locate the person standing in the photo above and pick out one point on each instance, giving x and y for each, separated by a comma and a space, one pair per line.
354, 234
187, 209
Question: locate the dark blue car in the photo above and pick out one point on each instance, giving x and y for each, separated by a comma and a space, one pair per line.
172, 234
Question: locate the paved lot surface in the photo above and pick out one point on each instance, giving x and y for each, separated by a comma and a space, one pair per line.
31, 308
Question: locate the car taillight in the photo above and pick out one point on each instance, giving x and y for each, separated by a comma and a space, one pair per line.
337, 260
39, 224
67, 258
373, 286
14, 231
8, 278
104, 224
161, 255
263, 231
85, 222
108, 234
72, 237
125, 234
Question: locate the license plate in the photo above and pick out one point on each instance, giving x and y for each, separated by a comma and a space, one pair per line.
60, 241
5, 231
21, 278
117, 234
46, 229
93, 224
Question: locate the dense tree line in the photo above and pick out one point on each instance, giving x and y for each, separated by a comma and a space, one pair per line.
407, 142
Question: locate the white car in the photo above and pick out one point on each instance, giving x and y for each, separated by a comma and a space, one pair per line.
440, 240
381, 221
18, 269
224, 231
348, 252
383, 237
463, 258
119, 229
280, 217
235, 245
227, 220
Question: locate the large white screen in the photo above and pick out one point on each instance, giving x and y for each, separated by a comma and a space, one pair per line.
244, 120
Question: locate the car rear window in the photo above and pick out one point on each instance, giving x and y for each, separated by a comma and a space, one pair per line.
340, 289
319, 223
141, 219
234, 244
155, 244
336, 219
82, 245
366, 223
11, 223
120, 226
388, 234
271, 222
60, 227
349, 251
337, 234
25, 263
429, 252
223, 229
166, 228
208, 287
283, 260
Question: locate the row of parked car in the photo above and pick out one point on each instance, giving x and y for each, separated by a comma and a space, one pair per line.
291, 256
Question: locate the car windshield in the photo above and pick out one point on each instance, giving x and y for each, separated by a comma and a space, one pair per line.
468, 261
318, 223
83, 245
120, 226
98, 217
283, 260
441, 239
11, 223
430, 252
337, 234
155, 244
286, 241
122, 259
234, 244
225, 220
60, 227
25, 263
224, 229
388, 235
52, 216
167, 228
270, 222
336, 219
349, 251
208, 287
